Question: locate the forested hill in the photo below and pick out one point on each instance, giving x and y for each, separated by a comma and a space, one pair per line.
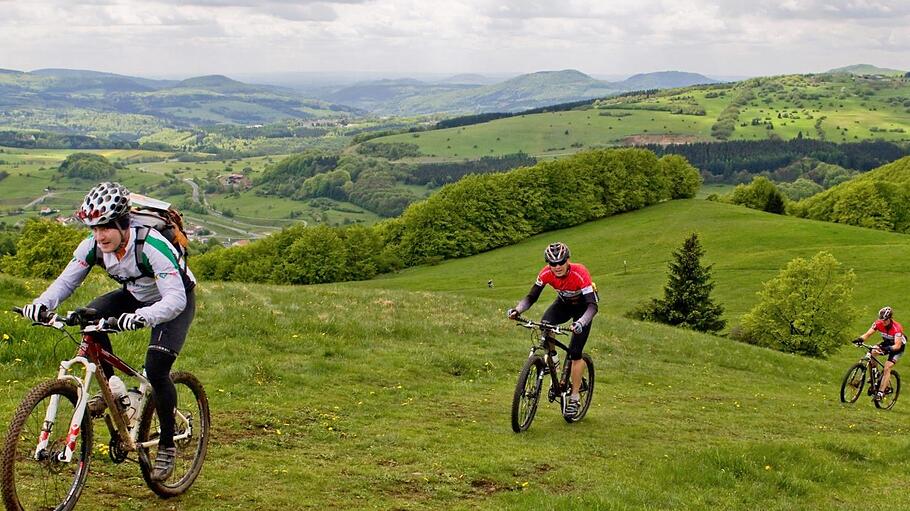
879, 199
473, 215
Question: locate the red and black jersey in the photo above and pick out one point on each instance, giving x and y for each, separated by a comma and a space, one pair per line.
888, 332
573, 287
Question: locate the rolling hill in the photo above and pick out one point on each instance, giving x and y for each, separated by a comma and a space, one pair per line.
867, 69
472, 94
93, 103
394, 393
830, 107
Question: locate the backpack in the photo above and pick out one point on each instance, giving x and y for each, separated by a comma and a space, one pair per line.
149, 214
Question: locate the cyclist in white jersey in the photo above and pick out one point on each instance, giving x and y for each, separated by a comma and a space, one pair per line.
157, 291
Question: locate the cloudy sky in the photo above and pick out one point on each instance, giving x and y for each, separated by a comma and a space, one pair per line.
179, 38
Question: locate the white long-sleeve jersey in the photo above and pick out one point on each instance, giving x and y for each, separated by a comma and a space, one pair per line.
165, 292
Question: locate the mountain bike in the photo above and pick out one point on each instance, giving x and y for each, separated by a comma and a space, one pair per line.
538, 365
47, 452
855, 379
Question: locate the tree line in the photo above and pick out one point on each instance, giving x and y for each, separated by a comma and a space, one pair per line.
726, 161
475, 214
436, 174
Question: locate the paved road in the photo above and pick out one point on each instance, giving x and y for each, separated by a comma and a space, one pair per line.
39, 199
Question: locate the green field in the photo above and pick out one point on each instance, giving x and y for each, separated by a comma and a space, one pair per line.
627, 256
545, 135
838, 108
394, 393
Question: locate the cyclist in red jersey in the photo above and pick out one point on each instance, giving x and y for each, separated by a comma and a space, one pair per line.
893, 343
576, 300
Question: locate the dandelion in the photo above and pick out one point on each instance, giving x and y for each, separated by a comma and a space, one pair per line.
5, 337
767, 467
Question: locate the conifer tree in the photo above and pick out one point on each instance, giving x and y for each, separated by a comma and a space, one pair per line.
687, 302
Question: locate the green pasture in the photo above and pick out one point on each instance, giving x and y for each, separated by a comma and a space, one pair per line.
627, 256
544, 135
395, 393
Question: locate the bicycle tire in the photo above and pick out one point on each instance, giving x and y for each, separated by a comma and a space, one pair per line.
851, 388
887, 402
586, 392
527, 393
193, 402
29, 484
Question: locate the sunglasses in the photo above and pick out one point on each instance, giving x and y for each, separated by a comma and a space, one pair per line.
557, 263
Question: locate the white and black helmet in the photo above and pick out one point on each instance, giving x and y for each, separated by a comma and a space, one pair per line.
556, 253
885, 313
104, 204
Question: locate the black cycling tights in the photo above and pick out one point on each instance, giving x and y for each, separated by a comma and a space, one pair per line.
158, 370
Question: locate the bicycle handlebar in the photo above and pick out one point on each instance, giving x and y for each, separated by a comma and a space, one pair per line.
85, 318
527, 323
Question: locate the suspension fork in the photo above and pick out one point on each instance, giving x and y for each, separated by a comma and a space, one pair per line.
50, 415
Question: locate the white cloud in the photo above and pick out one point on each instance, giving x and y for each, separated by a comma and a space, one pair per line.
155, 37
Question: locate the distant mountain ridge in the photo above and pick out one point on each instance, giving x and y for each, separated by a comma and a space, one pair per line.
52, 99
45, 98
867, 69
663, 80
532, 90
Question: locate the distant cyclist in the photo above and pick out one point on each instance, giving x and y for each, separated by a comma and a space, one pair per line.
893, 343
576, 300
155, 293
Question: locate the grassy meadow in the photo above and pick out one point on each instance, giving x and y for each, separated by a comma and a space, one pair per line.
394, 393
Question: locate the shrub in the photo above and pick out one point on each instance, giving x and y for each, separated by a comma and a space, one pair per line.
805, 309
760, 194
43, 249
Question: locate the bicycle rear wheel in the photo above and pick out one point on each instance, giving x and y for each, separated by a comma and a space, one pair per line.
527, 393
894, 388
585, 391
33, 481
192, 417
852, 386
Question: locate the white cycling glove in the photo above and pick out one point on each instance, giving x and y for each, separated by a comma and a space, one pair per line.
35, 312
577, 327
130, 321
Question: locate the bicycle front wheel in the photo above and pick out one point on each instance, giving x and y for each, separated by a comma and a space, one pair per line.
891, 392
852, 386
193, 422
527, 393
36, 479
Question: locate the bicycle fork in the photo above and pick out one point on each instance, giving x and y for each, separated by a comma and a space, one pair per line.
75, 424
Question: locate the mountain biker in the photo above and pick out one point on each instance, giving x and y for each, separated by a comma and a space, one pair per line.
576, 299
164, 301
893, 343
